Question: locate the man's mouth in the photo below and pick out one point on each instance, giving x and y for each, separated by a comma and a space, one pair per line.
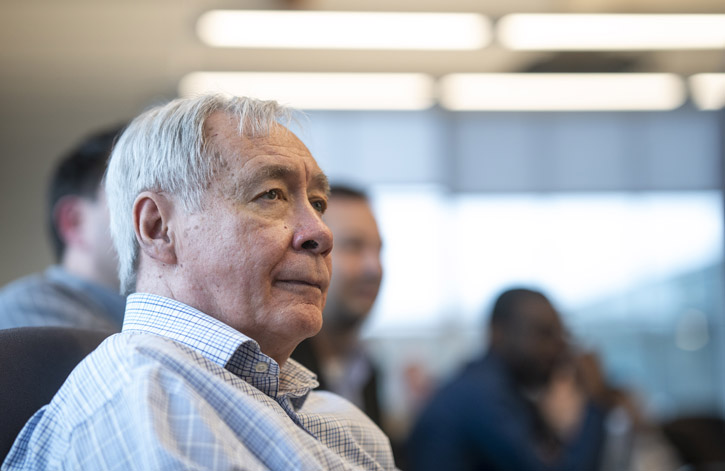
312, 284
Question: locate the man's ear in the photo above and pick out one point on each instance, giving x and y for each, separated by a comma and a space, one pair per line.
68, 219
151, 217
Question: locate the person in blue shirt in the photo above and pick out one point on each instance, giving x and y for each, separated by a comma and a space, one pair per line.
513, 408
216, 214
81, 289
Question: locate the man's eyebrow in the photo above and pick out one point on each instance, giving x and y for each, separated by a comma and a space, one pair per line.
267, 172
272, 172
276, 172
281, 172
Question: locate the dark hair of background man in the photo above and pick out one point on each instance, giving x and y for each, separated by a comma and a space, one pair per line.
345, 191
504, 310
79, 173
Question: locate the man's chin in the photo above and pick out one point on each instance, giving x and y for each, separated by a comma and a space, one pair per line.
307, 318
294, 294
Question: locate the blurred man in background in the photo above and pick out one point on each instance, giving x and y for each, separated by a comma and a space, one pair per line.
336, 354
81, 290
520, 406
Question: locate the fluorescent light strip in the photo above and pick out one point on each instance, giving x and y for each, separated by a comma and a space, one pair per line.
708, 91
561, 92
331, 91
344, 30
610, 31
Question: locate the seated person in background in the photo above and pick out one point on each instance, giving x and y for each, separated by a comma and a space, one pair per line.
216, 214
82, 289
504, 412
336, 354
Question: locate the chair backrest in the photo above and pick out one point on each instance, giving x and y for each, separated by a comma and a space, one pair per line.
700, 441
34, 363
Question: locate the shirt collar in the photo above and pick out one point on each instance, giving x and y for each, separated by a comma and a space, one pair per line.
218, 342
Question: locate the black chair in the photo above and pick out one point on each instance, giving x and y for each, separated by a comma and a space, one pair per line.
699, 440
34, 363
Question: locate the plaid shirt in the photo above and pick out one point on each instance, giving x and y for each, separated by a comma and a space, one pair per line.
178, 389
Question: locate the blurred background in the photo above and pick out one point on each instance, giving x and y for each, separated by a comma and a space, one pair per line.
611, 204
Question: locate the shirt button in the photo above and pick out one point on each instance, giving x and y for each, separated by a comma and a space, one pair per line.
261, 367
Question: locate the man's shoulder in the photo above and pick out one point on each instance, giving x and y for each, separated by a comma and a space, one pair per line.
31, 301
23, 284
125, 357
40, 299
476, 374
326, 402
136, 384
327, 414
124, 371
130, 384
133, 353
477, 386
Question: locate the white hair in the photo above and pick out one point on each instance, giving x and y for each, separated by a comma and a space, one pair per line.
164, 149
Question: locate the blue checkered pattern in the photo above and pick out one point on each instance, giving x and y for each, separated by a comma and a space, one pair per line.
178, 389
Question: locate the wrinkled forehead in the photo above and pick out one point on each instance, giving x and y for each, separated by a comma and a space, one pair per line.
278, 154
223, 130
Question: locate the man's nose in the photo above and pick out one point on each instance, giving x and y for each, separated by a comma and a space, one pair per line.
312, 234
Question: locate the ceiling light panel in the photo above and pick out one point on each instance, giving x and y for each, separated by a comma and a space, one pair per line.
708, 91
331, 91
561, 92
344, 30
611, 31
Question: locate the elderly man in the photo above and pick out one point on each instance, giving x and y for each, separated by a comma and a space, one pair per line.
81, 290
216, 213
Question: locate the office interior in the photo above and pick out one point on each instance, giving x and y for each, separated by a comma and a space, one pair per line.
617, 214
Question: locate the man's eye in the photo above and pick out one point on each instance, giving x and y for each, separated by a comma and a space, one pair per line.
271, 195
319, 205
